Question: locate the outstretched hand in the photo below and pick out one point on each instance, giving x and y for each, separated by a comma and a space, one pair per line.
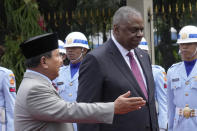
124, 104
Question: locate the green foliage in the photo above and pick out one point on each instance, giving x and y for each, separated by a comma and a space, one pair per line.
100, 13
22, 17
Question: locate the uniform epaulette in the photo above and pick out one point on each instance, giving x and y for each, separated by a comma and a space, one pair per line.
64, 67
67, 66
176, 64
5, 69
158, 67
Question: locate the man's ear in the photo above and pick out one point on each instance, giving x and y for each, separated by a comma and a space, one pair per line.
43, 62
116, 29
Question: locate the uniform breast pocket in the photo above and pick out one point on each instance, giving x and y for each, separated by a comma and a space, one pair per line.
194, 85
176, 87
61, 89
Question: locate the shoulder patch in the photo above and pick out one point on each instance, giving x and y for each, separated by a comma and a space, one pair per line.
12, 89
165, 76
12, 79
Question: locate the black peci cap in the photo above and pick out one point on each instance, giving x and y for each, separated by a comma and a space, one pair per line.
39, 44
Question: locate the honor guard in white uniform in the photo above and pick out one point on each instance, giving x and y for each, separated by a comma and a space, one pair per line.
7, 99
76, 45
160, 80
182, 84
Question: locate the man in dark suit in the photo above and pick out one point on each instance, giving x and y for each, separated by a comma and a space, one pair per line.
108, 71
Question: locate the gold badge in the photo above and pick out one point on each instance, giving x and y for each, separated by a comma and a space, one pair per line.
69, 41
187, 111
183, 36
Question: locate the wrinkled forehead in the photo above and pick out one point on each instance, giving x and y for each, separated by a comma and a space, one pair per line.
135, 18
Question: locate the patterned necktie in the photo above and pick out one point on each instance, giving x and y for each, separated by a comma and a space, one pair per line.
136, 72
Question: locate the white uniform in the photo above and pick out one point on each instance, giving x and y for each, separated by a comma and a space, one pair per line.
67, 86
7, 99
182, 92
161, 95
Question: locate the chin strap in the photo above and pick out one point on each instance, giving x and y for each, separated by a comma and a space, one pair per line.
191, 55
72, 61
194, 53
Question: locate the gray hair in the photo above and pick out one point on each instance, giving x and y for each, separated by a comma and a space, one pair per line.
35, 61
121, 15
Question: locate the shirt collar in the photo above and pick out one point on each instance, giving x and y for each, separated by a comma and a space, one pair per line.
122, 50
35, 72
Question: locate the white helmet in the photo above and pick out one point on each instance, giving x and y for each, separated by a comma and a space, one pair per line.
61, 47
76, 39
188, 34
143, 44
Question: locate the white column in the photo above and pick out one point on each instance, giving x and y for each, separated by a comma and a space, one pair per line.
146, 9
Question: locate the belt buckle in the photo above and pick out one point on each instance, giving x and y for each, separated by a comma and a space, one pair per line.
187, 112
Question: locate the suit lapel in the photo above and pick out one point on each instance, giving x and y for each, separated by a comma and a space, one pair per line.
119, 61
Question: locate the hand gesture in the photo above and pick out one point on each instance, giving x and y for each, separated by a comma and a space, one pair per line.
124, 104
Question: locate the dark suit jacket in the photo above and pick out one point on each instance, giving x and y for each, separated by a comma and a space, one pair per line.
104, 75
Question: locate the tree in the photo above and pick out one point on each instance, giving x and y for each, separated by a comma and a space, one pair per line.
55, 12
21, 22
